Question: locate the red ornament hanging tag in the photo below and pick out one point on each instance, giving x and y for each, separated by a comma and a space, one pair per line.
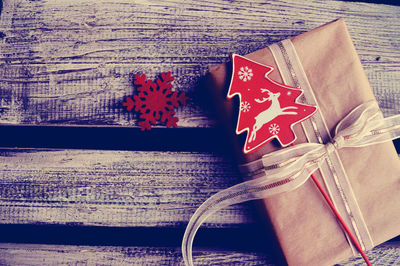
268, 109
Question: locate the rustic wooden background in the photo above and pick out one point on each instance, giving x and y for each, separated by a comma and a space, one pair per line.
81, 184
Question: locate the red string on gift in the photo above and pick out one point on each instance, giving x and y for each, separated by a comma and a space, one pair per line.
341, 221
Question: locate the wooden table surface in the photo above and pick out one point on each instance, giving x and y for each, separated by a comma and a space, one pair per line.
80, 184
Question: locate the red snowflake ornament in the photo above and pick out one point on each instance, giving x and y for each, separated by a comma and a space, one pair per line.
155, 101
267, 109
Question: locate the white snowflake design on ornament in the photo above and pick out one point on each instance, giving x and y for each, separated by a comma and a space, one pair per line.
245, 73
245, 106
274, 129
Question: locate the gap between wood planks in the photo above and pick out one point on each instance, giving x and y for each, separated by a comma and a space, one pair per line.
248, 238
118, 138
113, 138
245, 237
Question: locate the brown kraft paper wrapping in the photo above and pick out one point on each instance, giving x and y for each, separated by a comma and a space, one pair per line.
304, 224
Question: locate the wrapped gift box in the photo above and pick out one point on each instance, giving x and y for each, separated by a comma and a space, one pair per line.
306, 228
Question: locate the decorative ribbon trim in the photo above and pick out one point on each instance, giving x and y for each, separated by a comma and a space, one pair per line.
316, 130
363, 126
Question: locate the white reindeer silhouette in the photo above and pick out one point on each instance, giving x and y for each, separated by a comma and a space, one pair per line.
273, 111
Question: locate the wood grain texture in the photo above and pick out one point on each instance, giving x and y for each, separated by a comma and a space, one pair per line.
71, 62
113, 188
25, 254
66, 62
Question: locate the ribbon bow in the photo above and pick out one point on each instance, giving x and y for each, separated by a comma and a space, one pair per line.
286, 169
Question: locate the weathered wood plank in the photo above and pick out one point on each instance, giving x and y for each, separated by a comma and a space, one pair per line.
113, 188
28, 254
71, 62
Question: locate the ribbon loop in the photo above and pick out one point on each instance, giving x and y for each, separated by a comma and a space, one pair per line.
363, 126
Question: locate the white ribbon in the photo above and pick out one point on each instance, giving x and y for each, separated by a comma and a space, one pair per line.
315, 129
286, 169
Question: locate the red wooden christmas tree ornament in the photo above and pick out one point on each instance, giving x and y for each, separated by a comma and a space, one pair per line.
268, 109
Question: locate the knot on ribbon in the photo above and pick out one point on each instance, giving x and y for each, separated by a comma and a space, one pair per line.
330, 147
337, 143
